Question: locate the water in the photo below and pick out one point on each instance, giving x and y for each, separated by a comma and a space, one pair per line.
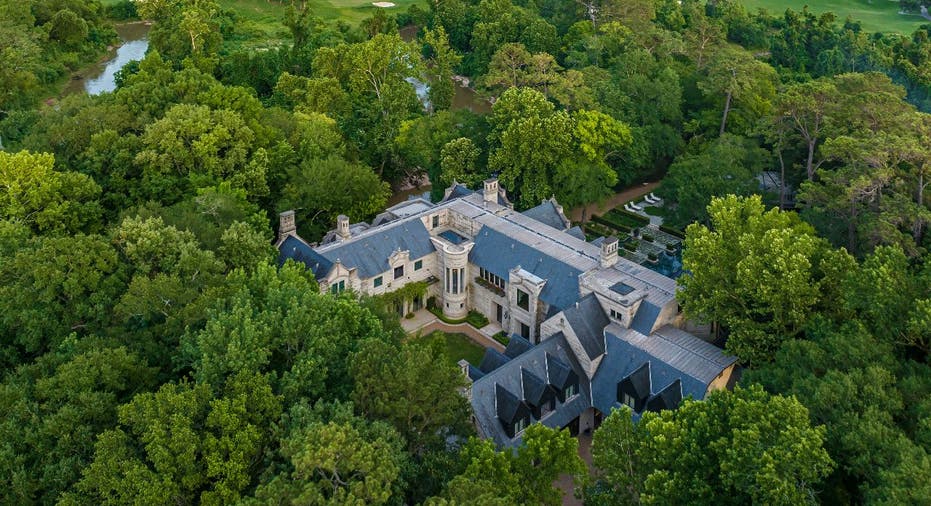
100, 77
669, 265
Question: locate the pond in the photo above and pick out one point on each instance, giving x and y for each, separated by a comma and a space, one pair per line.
100, 77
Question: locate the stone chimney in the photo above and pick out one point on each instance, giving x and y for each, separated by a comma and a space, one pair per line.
491, 190
342, 226
609, 252
286, 225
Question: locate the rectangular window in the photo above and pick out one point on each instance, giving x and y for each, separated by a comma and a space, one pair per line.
570, 390
520, 425
418, 265
455, 281
523, 300
338, 287
436, 221
525, 331
399, 272
377, 282
616, 316
629, 400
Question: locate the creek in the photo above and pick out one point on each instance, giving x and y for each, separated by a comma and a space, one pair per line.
100, 77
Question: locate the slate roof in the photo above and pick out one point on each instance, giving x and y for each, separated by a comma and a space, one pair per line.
667, 398
508, 406
550, 361
645, 318
516, 346
458, 190
370, 251
576, 232
297, 250
498, 254
492, 360
535, 389
588, 320
671, 354
547, 214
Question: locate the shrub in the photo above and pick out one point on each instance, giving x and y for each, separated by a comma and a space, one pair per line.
652, 256
476, 319
409, 316
502, 338
647, 237
631, 245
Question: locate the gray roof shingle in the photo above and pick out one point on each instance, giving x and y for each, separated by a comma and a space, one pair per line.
295, 249
369, 252
498, 254
588, 320
547, 214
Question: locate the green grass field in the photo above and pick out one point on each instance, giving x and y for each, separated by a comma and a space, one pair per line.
458, 347
875, 16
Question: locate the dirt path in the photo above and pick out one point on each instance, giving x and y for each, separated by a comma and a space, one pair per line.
627, 195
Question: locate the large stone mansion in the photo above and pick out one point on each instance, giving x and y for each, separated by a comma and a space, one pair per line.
590, 329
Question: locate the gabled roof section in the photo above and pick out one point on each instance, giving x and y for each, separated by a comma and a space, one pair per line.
369, 252
543, 362
636, 385
492, 360
645, 318
559, 373
516, 346
588, 320
474, 372
667, 398
672, 354
498, 254
547, 214
297, 250
457, 191
536, 391
576, 232
508, 406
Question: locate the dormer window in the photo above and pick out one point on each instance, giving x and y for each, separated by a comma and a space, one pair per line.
399, 272
617, 316
570, 390
634, 390
521, 424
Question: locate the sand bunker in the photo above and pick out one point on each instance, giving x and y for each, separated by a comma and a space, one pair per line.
383, 4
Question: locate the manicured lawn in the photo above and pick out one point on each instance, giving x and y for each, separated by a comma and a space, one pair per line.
875, 16
458, 347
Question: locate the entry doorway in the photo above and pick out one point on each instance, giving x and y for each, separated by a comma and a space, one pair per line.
499, 313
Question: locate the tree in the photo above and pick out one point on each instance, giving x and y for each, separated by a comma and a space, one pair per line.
743, 80
725, 166
414, 388
182, 444
53, 411
732, 448
444, 62
458, 160
333, 457
194, 147
53, 286
47, 200
522, 477
325, 188
759, 273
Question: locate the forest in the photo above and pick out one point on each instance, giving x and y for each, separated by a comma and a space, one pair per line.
154, 352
